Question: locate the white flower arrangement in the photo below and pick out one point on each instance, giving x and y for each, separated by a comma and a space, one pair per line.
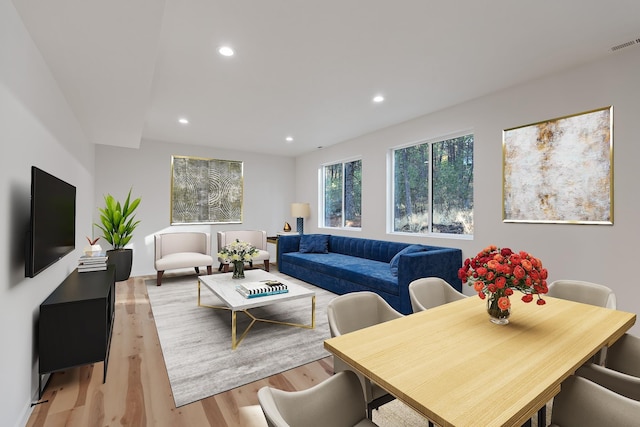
238, 251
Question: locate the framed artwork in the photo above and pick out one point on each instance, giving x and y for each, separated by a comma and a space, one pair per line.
560, 170
205, 191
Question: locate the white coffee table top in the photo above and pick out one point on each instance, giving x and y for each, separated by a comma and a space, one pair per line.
224, 287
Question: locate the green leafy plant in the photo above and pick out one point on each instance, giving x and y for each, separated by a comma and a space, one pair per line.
118, 220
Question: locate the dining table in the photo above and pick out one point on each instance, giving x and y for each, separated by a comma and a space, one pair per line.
456, 368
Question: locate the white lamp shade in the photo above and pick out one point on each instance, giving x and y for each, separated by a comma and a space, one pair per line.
300, 210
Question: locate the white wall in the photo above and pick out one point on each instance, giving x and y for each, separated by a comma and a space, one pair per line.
38, 129
268, 191
597, 253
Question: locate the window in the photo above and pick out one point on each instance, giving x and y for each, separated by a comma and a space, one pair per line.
433, 187
342, 189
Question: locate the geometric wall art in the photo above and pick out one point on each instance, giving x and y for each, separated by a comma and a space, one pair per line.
560, 170
206, 191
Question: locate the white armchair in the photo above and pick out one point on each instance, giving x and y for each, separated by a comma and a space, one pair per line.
182, 250
257, 238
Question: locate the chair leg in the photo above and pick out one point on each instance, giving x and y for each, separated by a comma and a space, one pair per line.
225, 268
197, 270
220, 267
266, 265
209, 270
159, 278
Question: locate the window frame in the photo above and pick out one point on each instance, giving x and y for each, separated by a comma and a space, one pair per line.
322, 194
391, 186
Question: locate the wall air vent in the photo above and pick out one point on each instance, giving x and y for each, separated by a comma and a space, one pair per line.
627, 44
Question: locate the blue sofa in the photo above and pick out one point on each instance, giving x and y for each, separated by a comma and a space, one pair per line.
347, 264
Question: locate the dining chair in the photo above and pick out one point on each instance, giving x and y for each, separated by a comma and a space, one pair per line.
337, 401
431, 292
621, 370
586, 293
583, 403
351, 312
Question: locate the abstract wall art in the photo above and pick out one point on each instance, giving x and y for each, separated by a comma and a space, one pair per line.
205, 191
560, 170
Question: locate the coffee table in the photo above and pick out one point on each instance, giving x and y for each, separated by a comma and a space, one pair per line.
224, 287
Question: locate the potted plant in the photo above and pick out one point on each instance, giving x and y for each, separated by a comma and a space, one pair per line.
117, 225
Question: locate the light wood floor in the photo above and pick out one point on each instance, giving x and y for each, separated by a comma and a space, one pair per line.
137, 391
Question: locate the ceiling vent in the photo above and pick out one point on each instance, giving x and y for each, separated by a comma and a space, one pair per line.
627, 44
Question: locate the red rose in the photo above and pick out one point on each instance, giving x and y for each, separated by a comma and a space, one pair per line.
508, 291
504, 303
541, 302
527, 298
505, 252
481, 295
500, 282
519, 272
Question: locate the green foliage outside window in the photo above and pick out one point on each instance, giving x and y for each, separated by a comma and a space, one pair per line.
433, 187
342, 194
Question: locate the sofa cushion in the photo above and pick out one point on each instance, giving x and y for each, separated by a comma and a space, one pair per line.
361, 271
314, 243
408, 250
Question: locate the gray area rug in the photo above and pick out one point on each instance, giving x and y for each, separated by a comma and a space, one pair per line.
196, 341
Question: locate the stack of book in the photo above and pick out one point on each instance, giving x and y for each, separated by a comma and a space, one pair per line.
92, 263
261, 289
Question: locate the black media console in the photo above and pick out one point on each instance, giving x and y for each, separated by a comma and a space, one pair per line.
76, 322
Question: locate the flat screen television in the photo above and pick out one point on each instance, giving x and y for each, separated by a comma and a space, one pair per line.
52, 227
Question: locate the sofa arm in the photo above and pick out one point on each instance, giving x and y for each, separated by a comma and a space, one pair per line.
443, 263
289, 243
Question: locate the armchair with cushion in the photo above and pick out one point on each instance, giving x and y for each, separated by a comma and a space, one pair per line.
182, 250
257, 238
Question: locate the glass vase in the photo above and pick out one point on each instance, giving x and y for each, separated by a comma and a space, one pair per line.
496, 314
238, 270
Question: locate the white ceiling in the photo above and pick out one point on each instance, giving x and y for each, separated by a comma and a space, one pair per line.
307, 69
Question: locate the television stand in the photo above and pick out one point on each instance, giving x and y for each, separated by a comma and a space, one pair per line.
76, 322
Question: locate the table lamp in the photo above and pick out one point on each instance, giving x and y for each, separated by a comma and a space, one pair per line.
300, 211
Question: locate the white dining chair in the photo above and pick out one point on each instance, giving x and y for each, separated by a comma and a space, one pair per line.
337, 401
621, 370
584, 292
351, 312
431, 292
583, 403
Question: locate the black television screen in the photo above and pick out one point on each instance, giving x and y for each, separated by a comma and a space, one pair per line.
52, 228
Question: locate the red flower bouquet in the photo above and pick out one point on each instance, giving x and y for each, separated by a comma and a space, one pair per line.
497, 272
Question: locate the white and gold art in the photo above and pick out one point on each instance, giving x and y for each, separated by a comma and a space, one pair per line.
560, 170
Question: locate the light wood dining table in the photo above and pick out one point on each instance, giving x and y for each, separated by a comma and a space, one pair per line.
455, 367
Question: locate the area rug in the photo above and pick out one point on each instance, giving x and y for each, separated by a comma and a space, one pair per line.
196, 341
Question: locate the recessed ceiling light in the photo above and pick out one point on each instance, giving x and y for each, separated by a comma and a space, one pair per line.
225, 51
378, 98
183, 121
289, 139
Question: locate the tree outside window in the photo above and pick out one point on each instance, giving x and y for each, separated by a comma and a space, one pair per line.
342, 194
433, 187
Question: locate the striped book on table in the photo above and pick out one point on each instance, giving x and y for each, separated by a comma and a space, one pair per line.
261, 289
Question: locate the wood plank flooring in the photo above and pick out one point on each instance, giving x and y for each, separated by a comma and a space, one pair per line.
137, 391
